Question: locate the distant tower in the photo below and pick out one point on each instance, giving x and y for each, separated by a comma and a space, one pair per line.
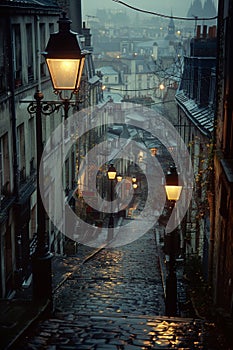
195, 9
171, 32
171, 26
209, 10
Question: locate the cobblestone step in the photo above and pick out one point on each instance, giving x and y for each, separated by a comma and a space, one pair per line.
116, 301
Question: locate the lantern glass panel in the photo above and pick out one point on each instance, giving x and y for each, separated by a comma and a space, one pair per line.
111, 175
173, 192
64, 73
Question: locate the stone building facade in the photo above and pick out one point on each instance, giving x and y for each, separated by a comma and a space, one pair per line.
24, 32
221, 262
196, 110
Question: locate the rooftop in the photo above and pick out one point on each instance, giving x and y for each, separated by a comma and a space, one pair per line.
201, 117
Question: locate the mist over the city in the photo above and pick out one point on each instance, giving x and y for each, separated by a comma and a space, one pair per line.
116, 174
178, 7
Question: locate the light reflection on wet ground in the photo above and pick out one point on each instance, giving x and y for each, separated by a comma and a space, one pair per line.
115, 302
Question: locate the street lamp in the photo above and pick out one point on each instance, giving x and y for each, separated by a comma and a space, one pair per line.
134, 182
172, 187
65, 62
64, 57
111, 172
134, 179
173, 190
119, 178
111, 176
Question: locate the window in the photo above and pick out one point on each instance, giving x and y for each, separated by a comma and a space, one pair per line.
21, 140
32, 222
51, 28
4, 167
67, 173
8, 252
31, 124
140, 68
29, 52
42, 48
1, 167
6, 164
2, 61
17, 54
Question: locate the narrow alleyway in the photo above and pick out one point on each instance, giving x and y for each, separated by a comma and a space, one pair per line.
115, 301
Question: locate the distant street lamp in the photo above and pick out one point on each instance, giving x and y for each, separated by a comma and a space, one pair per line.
119, 178
65, 62
134, 182
111, 172
134, 179
173, 191
172, 187
111, 176
162, 89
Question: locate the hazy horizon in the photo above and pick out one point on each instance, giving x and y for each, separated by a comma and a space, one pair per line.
166, 7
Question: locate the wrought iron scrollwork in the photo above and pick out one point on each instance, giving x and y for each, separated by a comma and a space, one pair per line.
47, 107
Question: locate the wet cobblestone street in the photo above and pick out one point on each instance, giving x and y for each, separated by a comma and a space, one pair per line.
125, 280
115, 301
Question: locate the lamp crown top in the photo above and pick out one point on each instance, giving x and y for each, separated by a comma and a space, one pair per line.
172, 169
64, 23
111, 167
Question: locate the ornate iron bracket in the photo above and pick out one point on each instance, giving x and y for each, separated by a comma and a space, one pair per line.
49, 107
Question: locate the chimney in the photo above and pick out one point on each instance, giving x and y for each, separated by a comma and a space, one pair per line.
214, 28
76, 15
87, 35
204, 33
210, 32
198, 34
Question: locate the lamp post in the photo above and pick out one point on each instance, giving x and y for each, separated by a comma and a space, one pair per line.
134, 179
65, 62
173, 191
111, 177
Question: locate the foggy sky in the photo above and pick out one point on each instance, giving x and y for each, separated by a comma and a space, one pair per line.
178, 7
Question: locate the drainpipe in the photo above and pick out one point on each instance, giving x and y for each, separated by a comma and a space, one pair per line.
13, 110
38, 57
15, 150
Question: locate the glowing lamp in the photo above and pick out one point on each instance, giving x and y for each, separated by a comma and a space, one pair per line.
64, 57
134, 179
111, 172
119, 178
172, 187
